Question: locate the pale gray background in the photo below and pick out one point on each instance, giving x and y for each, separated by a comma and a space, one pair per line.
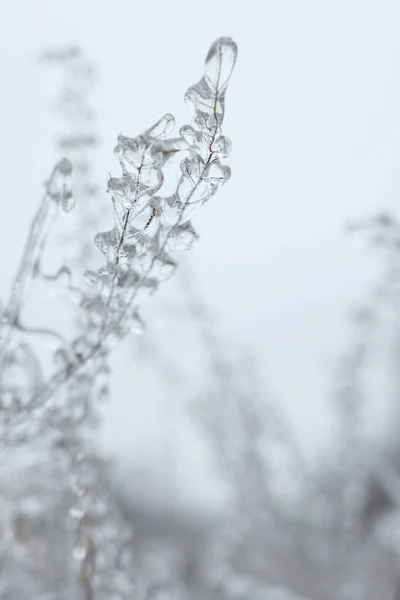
313, 114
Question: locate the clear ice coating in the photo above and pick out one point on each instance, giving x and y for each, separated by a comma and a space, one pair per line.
208, 95
147, 225
220, 61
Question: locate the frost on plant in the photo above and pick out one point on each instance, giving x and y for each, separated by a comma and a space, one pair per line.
48, 404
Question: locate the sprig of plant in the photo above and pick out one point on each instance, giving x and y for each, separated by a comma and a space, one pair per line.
148, 227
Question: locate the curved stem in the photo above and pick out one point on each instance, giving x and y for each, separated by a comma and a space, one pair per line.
33, 248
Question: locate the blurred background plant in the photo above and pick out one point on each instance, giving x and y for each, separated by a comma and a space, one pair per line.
77, 137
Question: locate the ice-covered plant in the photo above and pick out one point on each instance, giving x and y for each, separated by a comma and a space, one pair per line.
148, 227
56, 406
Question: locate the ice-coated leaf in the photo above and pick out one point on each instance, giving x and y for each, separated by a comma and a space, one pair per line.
132, 152
128, 189
217, 173
190, 135
107, 241
147, 219
123, 189
182, 237
207, 97
163, 151
222, 146
192, 167
161, 129
220, 62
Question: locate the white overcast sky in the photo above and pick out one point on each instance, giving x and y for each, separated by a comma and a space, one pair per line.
313, 112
